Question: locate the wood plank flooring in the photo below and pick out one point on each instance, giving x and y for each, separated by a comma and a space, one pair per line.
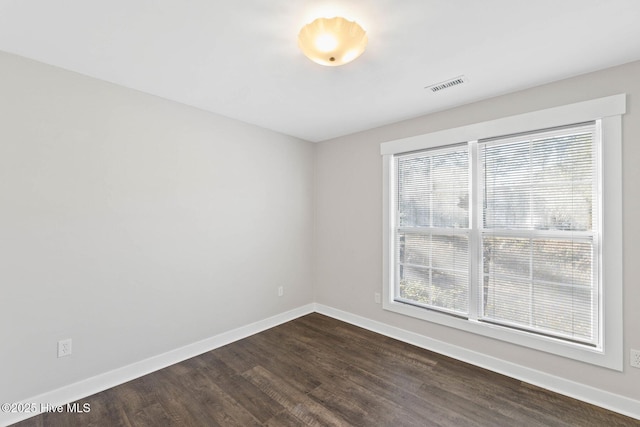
318, 371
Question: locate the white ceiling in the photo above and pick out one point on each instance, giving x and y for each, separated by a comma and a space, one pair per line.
241, 59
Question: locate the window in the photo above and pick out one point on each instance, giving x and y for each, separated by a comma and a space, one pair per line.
539, 232
504, 234
432, 230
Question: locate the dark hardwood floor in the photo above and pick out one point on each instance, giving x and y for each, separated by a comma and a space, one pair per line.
319, 371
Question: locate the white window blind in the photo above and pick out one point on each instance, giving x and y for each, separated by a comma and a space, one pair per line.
432, 234
539, 232
536, 252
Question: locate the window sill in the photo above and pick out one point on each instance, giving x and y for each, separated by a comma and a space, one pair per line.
551, 345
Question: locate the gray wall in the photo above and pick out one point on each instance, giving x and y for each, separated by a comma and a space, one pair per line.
349, 220
135, 225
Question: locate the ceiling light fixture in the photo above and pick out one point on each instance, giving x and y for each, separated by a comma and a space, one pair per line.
332, 41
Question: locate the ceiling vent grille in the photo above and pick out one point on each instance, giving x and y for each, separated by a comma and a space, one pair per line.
456, 81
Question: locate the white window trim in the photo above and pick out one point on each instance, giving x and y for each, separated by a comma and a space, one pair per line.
609, 110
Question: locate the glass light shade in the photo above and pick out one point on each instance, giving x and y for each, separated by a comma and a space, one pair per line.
332, 41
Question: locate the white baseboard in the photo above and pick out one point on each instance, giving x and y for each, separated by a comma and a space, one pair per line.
84, 388
604, 399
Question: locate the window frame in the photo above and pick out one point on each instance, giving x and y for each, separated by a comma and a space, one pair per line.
608, 110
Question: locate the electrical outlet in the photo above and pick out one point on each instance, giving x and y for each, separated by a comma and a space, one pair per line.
280, 291
634, 360
376, 297
64, 348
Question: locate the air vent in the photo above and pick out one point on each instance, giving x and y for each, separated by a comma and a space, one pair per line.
456, 81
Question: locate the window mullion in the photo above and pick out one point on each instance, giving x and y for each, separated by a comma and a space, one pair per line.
532, 295
475, 241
